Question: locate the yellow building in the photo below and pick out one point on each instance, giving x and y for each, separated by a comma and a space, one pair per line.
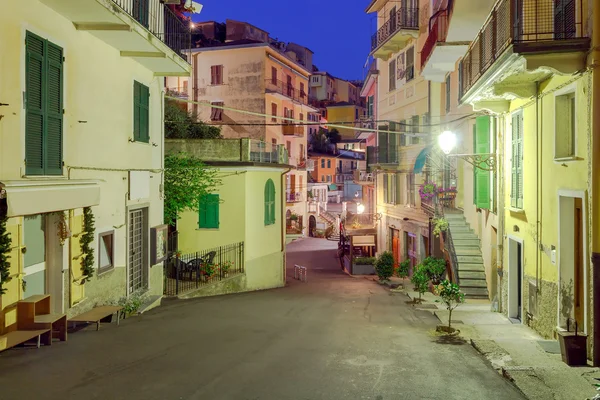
346, 114
246, 70
531, 199
249, 208
81, 129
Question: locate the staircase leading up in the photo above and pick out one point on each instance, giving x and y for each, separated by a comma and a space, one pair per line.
331, 221
467, 247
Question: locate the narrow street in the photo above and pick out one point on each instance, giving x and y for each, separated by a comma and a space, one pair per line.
334, 337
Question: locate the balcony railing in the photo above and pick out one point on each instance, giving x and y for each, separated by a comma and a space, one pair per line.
287, 89
531, 24
438, 30
293, 196
363, 177
161, 22
405, 18
293, 130
267, 152
383, 155
342, 178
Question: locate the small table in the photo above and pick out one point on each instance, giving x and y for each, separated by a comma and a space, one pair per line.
97, 314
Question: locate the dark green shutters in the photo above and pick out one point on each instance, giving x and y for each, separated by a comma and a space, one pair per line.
44, 107
269, 203
141, 112
516, 192
209, 212
481, 177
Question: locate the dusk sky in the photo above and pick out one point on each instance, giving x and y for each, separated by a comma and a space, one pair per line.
337, 31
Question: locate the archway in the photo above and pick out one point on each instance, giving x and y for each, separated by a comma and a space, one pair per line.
312, 226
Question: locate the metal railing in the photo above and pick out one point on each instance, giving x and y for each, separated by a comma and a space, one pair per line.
293, 196
268, 153
521, 22
287, 89
438, 30
161, 22
363, 176
187, 272
405, 18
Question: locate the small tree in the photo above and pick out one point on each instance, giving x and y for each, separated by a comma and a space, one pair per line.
384, 266
434, 268
451, 296
180, 124
404, 269
187, 179
334, 136
420, 280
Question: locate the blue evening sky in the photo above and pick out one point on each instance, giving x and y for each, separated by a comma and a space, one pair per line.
337, 31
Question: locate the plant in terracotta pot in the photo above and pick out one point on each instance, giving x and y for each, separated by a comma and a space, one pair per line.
225, 267
452, 297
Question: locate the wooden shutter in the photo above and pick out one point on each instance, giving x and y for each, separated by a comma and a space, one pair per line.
141, 112
410, 64
213, 75
274, 75
269, 202
208, 216
482, 178
519, 164
514, 162
385, 189
274, 111
392, 156
382, 144
392, 75
35, 97
53, 156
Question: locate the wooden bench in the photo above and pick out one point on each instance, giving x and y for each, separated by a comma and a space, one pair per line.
16, 338
34, 313
97, 314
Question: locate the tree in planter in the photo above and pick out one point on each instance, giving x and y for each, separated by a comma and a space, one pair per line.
451, 296
435, 269
87, 238
5, 245
404, 269
384, 266
420, 280
187, 179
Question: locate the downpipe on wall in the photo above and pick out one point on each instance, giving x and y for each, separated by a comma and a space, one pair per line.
283, 230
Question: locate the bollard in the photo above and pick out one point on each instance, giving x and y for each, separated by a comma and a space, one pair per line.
300, 273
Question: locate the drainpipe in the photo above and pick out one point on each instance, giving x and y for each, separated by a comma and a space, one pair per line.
595, 228
283, 230
500, 134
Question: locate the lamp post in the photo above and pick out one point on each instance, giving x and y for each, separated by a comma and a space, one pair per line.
447, 142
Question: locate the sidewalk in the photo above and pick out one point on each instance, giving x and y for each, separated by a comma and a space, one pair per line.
515, 351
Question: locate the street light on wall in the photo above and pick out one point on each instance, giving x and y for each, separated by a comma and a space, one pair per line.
447, 142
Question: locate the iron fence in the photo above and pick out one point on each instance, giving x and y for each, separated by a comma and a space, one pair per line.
404, 18
287, 89
524, 23
187, 272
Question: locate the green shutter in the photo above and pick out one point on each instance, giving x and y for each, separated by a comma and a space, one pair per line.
269, 203
382, 144
519, 148
482, 178
35, 97
44, 107
516, 197
54, 111
208, 215
141, 112
392, 156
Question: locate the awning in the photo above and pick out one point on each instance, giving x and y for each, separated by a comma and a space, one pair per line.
30, 197
421, 160
363, 241
333, 187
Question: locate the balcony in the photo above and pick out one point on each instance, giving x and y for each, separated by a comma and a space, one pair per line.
363, 178
293, 130
216, 151
343, 178
395, 33
286, 91
377, 157
293, 196
144, 30
306, 165
519, 46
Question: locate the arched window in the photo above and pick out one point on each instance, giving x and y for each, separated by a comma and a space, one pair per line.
269, 202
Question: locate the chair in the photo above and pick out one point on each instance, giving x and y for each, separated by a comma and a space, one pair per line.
197, 263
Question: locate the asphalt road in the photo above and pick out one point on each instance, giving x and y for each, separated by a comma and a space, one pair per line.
334, 337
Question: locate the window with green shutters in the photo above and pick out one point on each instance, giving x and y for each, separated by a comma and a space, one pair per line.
482, 178
392, 156
44, 107
516, 192
209, 212
269, 203
141, 112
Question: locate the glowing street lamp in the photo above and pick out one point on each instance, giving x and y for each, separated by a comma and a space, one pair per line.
447, 141
360, 208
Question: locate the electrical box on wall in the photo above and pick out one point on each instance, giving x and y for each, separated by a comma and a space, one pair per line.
553, 256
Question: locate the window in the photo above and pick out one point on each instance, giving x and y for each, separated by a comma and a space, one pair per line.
289, 86
274, 112
288, 146
216, 113
328, 163
302, 155
328, 178
448, 93
410, 64
302, 92
516, 192
44, 107
392, 72
274, 75
322, 163
415, 128
564, 126
269, 203
141, 110
208, 215
389, 189
481, 178
356, 114
301, 117
370, 106
410, 190
322, 178
216, 75
106, 251
274, 142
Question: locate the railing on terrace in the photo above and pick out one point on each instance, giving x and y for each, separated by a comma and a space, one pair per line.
268, 153
184, 273
405, 18
293, 196
287, 89
438, 30
161, 22
520, 22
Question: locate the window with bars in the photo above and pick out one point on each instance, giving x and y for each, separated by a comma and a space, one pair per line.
216, 75
216, 113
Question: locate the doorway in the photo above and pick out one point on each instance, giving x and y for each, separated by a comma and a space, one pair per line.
138, 250
572, 296
412, 253
34, 259
312, 226
515, 278
395, 235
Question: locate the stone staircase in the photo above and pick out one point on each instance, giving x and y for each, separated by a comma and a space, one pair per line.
467, 247
331, 220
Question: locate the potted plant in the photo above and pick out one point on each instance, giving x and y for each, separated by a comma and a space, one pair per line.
435, 269
225, 267
450, 192
207, 272
384, 266
420, 280
439, 225
573, 345
428, 190
294, 217
452, 297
